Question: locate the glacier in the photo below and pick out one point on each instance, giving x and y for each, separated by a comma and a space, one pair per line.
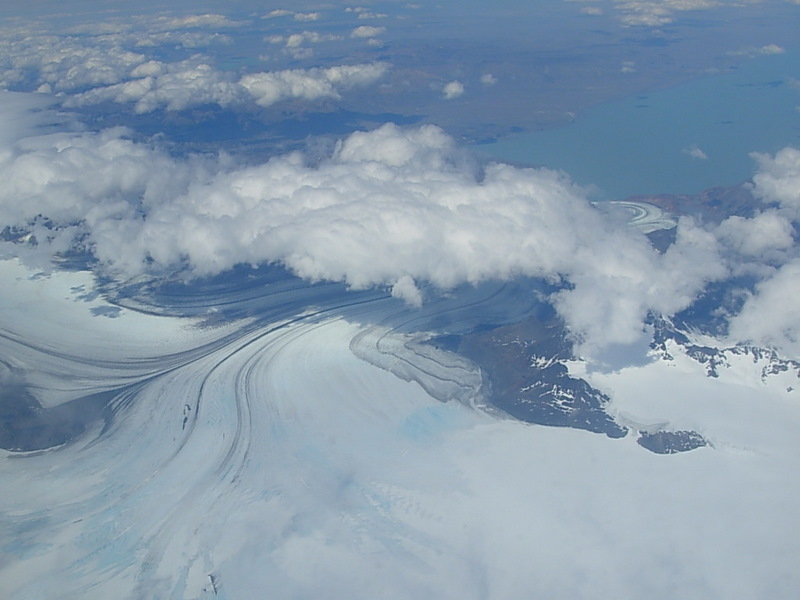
250, 440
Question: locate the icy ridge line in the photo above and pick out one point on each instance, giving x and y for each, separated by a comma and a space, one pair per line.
769, 363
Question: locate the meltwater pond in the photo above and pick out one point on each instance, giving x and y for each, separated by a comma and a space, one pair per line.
681, 140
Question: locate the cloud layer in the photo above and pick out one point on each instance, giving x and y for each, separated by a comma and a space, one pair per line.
193, 82
390, 207
120, 65
657, 13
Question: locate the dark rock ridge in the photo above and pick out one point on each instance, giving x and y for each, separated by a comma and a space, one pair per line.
524, 366
671, 442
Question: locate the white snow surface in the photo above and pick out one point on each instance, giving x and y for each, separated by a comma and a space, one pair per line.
306, 472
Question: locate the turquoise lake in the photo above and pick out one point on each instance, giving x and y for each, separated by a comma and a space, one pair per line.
681, 140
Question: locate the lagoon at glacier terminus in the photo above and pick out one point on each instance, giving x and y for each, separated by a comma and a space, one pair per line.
272, 326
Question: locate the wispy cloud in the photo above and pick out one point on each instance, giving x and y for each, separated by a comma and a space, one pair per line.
752, 52
695, 152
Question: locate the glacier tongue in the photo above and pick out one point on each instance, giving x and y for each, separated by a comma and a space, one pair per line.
442, 374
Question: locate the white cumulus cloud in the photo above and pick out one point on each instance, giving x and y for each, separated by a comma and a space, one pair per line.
99, 54
655, 13
177, 86
367, 31
453, 89
390, 207
64, 64
778, 178
771, 316
311, 84
207, 20
312, 16
400, 208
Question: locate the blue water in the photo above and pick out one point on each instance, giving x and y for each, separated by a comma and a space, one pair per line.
642, 145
